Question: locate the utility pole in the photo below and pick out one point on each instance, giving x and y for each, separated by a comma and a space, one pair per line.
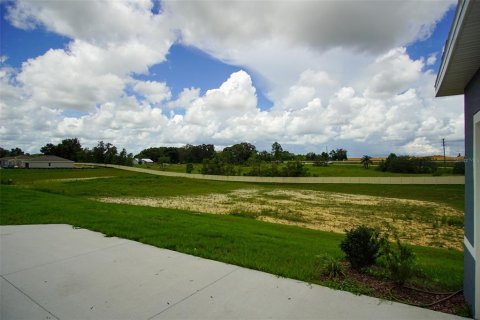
444, 158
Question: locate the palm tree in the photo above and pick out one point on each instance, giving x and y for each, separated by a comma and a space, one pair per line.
366, 160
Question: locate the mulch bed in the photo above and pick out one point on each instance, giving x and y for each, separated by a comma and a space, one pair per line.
448, 302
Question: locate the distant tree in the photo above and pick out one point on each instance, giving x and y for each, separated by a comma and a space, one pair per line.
121, 158
239, 153
163, 161
86, 156
98, 152
338, 155
69, 149
124, 158
311, 156
407, 164
196, 154
366, 161
48, 149
459, 167
277, 152
217, 166
111, 153
151, 153
294, 169
4, 152
172, 153
324, 156
385, 164
287, 156
264, 156
16, 152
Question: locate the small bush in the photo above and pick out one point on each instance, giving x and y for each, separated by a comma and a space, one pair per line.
320, 163
333, 268
294, 169
361, 246
459, 168
452, 221
189, 168
399, 262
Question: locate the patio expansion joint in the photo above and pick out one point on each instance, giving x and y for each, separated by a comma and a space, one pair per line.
30, 298
194, 293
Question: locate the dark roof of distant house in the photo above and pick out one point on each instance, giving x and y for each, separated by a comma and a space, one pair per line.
23, 156
38, 158
48, 159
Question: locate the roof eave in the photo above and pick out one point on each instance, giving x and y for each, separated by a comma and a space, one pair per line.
440, 89
461, 57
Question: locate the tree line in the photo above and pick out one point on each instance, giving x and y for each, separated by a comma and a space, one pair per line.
237, 154
14, 152
226, 162
102, 153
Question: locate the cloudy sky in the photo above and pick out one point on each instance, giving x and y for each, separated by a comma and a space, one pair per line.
311, 75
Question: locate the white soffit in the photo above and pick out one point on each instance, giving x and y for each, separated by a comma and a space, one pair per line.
461, 57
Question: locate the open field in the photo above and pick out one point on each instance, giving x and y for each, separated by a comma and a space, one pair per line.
335, 170
418, 222
238, 236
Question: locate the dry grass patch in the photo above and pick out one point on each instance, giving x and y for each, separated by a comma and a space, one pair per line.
80, 179
417, 222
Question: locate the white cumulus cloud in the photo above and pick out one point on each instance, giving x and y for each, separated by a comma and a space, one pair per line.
338, 74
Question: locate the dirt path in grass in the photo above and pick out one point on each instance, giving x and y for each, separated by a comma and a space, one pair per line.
80, 179
417, 222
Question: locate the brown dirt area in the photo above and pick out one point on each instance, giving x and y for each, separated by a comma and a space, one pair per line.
417, 222
448, 302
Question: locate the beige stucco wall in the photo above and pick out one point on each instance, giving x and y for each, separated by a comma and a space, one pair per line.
44, 165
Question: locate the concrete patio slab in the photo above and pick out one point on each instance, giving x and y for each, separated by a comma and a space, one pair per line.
16, 305
57, 272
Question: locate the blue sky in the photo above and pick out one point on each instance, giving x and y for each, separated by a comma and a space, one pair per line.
201, 78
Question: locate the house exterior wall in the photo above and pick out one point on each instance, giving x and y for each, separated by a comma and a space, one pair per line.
45, 165
472, 107
7, 163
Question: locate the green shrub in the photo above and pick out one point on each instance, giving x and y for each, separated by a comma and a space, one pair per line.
333, 268
459, 167
294, 169
217, 166
399, 262
407, 164
189, 168
361, 246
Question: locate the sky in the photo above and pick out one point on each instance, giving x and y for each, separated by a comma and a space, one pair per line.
311, 75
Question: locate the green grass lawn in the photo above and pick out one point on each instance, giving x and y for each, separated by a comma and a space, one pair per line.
357, 170
287, 251
139, 184
293, 252
335, 170
21, 176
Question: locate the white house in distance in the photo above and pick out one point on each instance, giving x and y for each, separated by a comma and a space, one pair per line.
142, 161
460, 74
40, 162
